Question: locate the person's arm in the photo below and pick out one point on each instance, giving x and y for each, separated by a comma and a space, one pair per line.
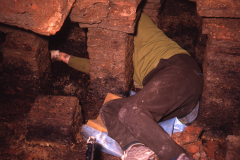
80, 64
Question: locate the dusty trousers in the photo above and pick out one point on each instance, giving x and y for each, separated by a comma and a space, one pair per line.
170, 90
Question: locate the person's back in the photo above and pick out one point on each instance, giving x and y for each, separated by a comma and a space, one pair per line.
151, 45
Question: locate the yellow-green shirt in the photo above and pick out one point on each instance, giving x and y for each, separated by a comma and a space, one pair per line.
151, 45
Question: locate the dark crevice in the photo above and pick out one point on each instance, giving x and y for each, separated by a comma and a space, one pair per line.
180, 22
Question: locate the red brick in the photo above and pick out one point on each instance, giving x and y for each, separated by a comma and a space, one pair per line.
190, 134
210, 153
191, 148
176, 138
210, 147
213, 145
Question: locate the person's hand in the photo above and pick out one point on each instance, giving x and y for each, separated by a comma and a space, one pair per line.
55, 55
64, 57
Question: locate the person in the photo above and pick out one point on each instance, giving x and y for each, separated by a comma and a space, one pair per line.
171, 87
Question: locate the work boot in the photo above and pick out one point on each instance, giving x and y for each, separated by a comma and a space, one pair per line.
182, 156
139, 151
55, 55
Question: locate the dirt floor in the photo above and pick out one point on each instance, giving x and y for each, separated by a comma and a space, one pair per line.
66, 81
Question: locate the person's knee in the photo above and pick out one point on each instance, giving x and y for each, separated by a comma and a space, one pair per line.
126, 113
109, 110
105, 109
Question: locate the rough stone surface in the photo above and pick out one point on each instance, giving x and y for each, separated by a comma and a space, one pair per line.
55, 119
210, 148
26, 61
233, 147
192, 147
218, 8
220, 99
44, 17
151, 8
190, 134
119, 15
200, 147
110, 54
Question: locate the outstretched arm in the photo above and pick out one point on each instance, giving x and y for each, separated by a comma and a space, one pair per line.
80, 64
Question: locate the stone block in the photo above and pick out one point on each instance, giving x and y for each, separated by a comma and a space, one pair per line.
26, 61
222, 29
44, 17
219, 110
114, 14
220, 99
55, 119
218, 8
89, 12
176, 138
110, 54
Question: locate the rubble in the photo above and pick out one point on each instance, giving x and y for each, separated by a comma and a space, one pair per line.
198, 146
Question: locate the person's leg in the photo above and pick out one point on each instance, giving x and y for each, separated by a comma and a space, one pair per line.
175, 88
109, 115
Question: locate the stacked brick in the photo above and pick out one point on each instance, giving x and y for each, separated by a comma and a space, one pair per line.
221, 99
26, 61
119, 15
190, 139
110, 46
110, 60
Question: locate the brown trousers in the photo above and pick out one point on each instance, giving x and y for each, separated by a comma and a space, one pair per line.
170, 90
